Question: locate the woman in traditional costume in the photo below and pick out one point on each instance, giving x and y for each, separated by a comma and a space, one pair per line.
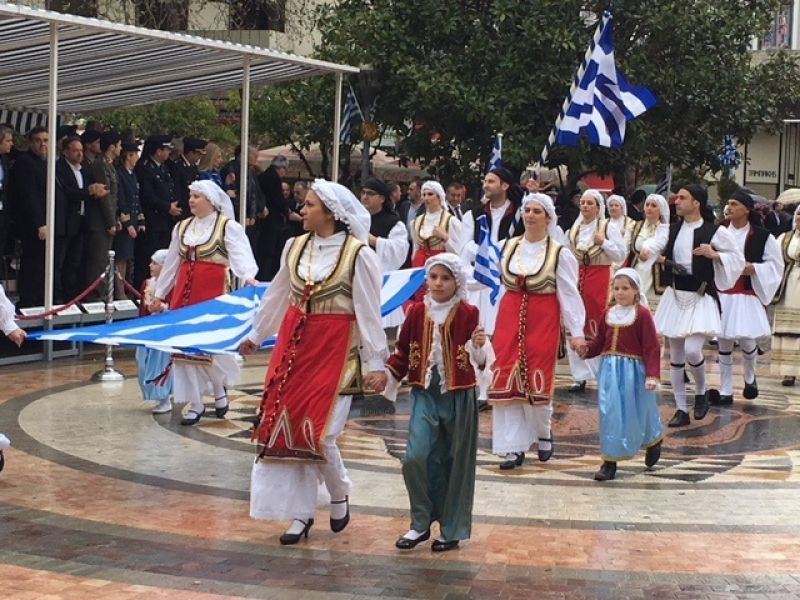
786, 325
629, 374
444, 351
647, 241
436, 230
597, 245
203, 248
617, 209
324, 304
540, 277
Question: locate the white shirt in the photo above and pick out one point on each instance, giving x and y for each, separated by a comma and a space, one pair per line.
393, 250
76, 170
367, 281
614, 244
768, 274
240, 254
7, 323
652, 237
731, 263
431, 220
531, 255
468, 247
621, 315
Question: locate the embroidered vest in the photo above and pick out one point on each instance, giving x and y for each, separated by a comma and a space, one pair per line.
594, 255
213, 250
542, 281
431, 243
702, 277
789, 261
510, 223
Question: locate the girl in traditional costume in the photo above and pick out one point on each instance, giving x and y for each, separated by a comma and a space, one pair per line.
629, 374
597, 245
647, 241
155, 377
203, 248
786, 326
444, 352
540, 277
324, 304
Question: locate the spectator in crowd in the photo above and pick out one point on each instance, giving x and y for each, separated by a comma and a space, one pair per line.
73, 192
271, 227
184, 171
6, 145
286, 190
256, 208
416, 207
157, 198
63, 132
777, 221
294, 225
101, 213
28, 191
456, 194
91, 146
400, 204
130, 215
210, 165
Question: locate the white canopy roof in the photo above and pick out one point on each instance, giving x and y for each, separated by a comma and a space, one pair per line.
103, 64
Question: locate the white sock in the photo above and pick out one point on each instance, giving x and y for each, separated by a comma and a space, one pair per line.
221, 402
413, 534
511, 456
339, 510
197, 406
726, 373
749, 359
678, 386
545, 445
296, 527
698, 372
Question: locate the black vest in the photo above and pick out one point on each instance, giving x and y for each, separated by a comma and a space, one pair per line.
508, 226
754, 249
702, 277
382, 223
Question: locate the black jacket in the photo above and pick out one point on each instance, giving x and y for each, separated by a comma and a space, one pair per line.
778, 223
28, 192
70, 198
182, 175
270, 183
156, 193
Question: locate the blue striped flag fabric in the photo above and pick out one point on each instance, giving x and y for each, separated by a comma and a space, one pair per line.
216, 326
603, 101
487, 261
496, 160
351, 116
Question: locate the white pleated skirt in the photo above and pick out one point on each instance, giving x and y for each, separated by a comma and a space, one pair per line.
743, 316
681, 314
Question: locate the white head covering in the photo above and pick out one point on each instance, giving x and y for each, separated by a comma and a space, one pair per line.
633, 275
619, 200
663, 206
211, 191
794, 217
547, 204
344, 206
436, 188
159, 256
453, 264
601, 205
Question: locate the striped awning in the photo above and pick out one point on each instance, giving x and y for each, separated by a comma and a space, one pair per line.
104, 65
22, 121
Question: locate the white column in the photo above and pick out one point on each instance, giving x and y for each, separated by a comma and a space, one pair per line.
244, 141
50, 214
337, 127
795, 24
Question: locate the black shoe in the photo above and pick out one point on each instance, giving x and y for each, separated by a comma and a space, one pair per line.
187, 420
288, 539
338, 524
405, 543
544, 455
483, 406
652, 455
750, 391
607, 471
700, 406
679, 419
221, 411
713, 397
2, 460
440, 546
578, 387
788, 381
517, 462
726, 400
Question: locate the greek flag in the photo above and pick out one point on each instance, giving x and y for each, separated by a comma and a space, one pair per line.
217, 326
487, 260
665, 185
496, 159
601, 101
351, 116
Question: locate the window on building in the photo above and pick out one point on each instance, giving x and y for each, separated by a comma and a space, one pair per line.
168, 15
257, 14
82, 8
780, 32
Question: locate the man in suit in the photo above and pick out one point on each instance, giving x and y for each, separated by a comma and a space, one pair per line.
184, 171
157, 198
6, 145
456, 194
73, 193
28, 193
777, 221
271, 227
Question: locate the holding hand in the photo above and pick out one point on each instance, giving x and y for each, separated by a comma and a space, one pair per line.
599, 238
749, 269
479, 337
375, 381
706, 251
175, 210
578, 344
651, 384
247, 348
157, 306
17, 336
440, 233
645, 255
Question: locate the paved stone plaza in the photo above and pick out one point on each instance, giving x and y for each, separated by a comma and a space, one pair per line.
102, 500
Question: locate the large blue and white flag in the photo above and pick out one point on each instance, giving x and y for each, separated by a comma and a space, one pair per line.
487, 260
601, 101
217, 326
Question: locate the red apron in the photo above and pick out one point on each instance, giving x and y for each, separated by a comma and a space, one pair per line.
593, 284
199, 281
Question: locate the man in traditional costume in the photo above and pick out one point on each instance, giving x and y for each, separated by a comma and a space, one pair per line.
700, 258
597, 245
540, 276
202, 250
324, 304
786, 326
744, 316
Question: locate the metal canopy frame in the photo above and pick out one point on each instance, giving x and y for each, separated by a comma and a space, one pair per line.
65, 63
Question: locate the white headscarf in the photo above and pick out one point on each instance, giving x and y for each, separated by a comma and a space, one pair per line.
344, 206
619, 200
663, 206
436, 188
601, 206
452, 263
547, 204
214, 194
159, 256
633, 275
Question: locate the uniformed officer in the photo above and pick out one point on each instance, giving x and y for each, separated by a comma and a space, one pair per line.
184, 171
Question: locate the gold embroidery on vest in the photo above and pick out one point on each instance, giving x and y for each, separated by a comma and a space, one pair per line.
431, 243
541, 282
213, 250
594, 255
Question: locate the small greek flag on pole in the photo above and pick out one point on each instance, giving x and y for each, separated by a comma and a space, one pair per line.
351, 116
487, 260
496, 159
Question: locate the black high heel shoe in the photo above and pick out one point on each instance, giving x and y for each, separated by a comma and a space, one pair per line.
288, 539
338, 524
187, 420
221, 411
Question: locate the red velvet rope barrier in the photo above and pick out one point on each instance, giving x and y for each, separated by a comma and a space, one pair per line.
72, 302
136, 293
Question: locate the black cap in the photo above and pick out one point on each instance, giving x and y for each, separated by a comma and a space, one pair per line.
504, 174
698, 192
65, 130
130, 146
377, 186
108, 139
194, 144
90, 136
743, 196
159, 141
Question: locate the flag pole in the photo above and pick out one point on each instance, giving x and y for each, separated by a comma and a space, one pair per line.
551, 139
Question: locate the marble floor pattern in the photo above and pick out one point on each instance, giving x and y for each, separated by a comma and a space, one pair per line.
100, 499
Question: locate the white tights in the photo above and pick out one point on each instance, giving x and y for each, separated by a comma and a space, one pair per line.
749, 358
687, 353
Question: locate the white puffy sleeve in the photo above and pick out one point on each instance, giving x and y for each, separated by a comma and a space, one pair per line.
658, 242
274, 304
367, 304
731, 260
768, 275
453, 243
482, 360
169, 270
7, 311
614, 245
468, 246
573, 313
392, 250
240, 253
